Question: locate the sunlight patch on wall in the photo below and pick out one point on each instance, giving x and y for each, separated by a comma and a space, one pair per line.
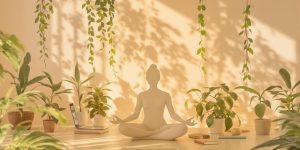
282, 44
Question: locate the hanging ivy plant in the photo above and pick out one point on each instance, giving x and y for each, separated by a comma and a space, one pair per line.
44, 9
248, 41
201, 22
101, 12
87, 5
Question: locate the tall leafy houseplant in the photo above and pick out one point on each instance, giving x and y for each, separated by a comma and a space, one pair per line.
78, 84
248, 41
100, 14
215, 103
262, 126
97, 104
20, 139
290, 140
10, 48
44, 10
201, 22
286, 93
21, 83
56, 92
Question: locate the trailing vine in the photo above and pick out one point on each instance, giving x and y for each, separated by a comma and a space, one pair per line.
201, 47
101, 12
91, 33
44, 9
248, 41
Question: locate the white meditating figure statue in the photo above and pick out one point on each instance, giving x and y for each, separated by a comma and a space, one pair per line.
154, 126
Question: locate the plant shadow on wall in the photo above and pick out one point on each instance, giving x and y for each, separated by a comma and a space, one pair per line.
224, 46
146, 39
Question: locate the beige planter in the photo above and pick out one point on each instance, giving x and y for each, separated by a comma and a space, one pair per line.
82, 118
49, 125
262, 126
16, 117
99, 121
218, 127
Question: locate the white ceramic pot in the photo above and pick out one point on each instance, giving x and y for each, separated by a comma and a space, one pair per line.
82, 118
262, 126
218, 127
99, 121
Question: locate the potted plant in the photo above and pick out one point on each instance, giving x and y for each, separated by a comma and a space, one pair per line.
20, 138
48, 99
78, 85
215, 103
97, 106
289, 140
286, 94
262, 126
21, 83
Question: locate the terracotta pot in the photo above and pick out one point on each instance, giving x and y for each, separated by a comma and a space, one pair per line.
49, 125
218, 127
262, 126
99, 121
16, 117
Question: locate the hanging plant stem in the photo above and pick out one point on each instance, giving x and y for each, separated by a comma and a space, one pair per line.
248, 41
91, 33
44, 9
103, 15
201, 47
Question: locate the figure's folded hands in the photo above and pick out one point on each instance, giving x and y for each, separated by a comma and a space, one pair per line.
191, 122
115, 120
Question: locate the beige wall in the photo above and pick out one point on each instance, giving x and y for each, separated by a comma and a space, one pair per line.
164, 32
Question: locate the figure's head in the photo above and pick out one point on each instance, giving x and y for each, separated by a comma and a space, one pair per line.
152, 75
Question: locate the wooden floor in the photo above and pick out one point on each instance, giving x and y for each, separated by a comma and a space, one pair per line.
114, 141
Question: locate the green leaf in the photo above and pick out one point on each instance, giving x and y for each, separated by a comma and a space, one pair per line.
199, 109
298, 83
209, 120
248, 89
1, 70
229, 101
35, 80
228, 123
267, 103
285, 75
193, 90
260, 110
225, 87
233, 95
209, 105
77, 73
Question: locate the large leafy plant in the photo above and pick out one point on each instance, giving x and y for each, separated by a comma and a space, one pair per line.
286, 93
78, 85
22, 81
10, 48
215, 103
20, 138
291, 138
97, 101
55, 93
261, 101
100, 14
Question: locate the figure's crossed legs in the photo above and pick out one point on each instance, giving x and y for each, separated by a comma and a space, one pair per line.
166, 132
